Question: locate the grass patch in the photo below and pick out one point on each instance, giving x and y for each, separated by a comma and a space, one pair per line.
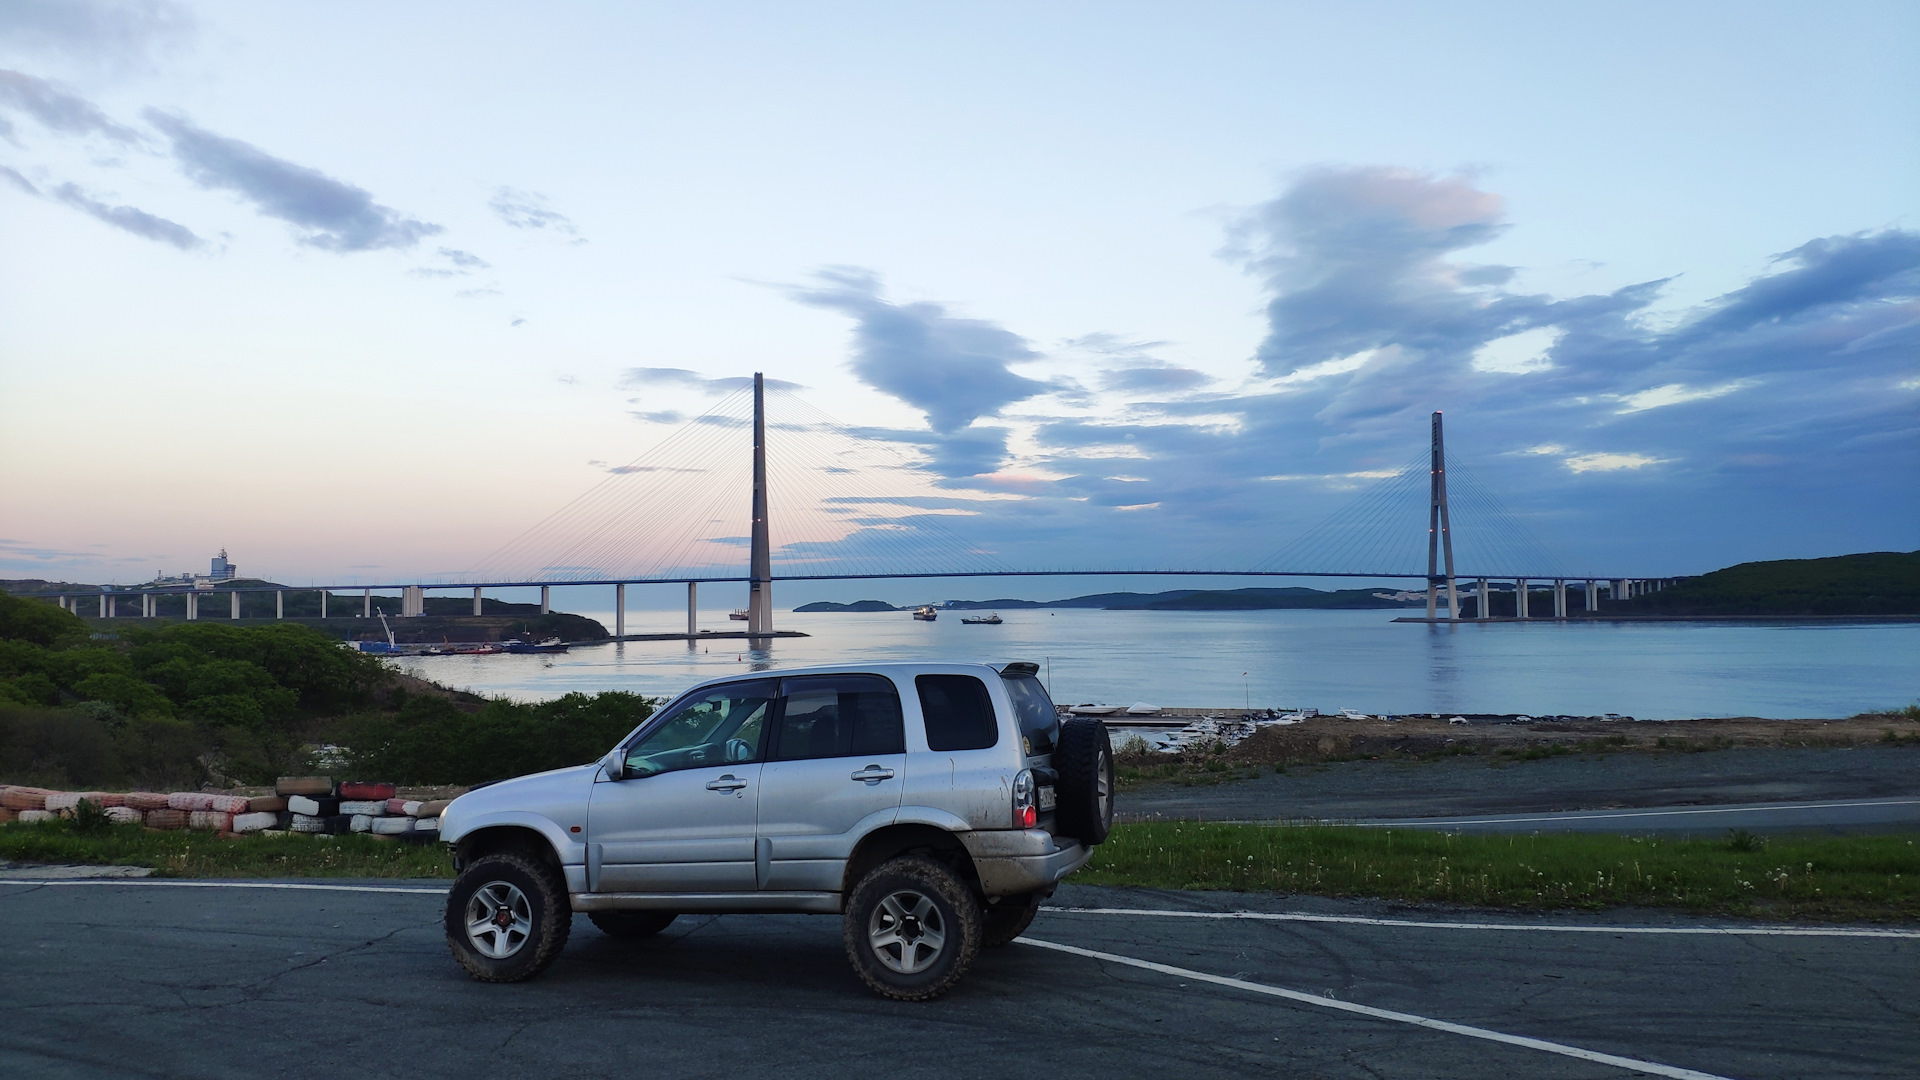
1873, 877
199, 854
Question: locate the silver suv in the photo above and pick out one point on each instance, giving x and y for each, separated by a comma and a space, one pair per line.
931, 806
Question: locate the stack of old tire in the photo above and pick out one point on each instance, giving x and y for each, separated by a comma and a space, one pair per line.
358, 806
300, 804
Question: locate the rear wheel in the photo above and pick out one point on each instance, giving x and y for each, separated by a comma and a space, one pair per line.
912, 929
631, 924
507, 917
1008, 919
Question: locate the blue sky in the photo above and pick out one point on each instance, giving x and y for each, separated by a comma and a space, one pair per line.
367, 292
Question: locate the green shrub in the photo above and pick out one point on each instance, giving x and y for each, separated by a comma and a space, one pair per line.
431, 741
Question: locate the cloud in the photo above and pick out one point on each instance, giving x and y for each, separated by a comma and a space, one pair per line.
665, 416
1677, 394
464, 260
57, 110
1611, 462
693, 380
113, 33
528, 210
333, 215
127, 218
130, 219
954, 370
1153, 378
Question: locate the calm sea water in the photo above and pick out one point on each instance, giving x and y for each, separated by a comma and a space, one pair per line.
1324, 659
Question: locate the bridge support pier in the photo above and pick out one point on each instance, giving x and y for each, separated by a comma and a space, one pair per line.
619, 611
366, 603
1481, 608
546, 599
233, 604
279, 603
1559, 598
1521, 589
476, 599
193, 606
1593, 596
323, 603
693, 609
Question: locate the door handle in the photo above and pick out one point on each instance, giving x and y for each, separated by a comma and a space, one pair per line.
726, 783
873, 774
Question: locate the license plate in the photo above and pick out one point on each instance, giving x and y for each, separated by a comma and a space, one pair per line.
1046, 798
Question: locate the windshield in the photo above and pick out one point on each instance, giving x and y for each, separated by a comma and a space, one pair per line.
1039, 720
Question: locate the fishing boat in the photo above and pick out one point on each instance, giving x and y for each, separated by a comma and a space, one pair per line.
982, 620
925, 613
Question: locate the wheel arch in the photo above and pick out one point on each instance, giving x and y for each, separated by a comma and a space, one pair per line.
493, 839
909, 838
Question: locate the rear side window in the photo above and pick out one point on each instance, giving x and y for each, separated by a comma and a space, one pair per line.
826, 716
1039, 720
958, 711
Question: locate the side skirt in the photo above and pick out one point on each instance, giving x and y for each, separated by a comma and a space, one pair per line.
761, 903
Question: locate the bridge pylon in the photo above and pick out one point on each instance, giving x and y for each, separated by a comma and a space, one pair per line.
1440, 532
760, 564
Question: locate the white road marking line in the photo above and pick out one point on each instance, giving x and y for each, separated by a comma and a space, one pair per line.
150, 883
1633, 1064
1361, 920
1610, 815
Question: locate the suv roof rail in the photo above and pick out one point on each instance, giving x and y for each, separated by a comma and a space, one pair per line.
1020, 667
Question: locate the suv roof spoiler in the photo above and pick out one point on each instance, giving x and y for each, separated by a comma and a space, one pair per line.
1019, 668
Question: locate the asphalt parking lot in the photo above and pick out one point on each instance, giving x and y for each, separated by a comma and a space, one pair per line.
165, 980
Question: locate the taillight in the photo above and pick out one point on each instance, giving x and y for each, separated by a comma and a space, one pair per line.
1025, 811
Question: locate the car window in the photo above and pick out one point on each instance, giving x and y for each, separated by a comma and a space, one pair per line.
958, 712
823, 716
720, 726
1039, 720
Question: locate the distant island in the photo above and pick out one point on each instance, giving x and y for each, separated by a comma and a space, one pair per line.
1173, 600
1871, 583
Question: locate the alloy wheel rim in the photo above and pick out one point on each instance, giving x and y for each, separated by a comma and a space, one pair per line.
1103, 786
499, 919
907, 932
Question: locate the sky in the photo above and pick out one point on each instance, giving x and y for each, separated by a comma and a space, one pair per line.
425, 292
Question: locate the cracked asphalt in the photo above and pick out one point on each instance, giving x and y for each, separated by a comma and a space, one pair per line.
143, 980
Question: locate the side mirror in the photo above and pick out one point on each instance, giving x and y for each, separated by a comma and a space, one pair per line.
615, 765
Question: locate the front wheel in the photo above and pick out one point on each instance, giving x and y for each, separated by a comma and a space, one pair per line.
912, 929
507, 917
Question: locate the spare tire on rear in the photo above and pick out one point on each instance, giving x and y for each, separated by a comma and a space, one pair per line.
1083, 757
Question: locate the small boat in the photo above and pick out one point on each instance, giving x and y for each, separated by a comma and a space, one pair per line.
1354, 714
983, 620
738, 616
925, 613
1141, 708
1090, 709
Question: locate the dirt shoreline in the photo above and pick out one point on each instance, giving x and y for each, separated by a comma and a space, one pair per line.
1335, 738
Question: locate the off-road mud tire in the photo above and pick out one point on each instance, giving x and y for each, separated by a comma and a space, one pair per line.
958, 912
549, 916
1008, 919
1084, 759
631, 924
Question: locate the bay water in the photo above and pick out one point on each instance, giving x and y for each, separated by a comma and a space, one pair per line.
1263, 659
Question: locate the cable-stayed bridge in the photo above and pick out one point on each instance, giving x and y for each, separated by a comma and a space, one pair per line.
849, 503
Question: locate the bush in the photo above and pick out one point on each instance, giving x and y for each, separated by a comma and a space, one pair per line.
431, 741
39, 622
